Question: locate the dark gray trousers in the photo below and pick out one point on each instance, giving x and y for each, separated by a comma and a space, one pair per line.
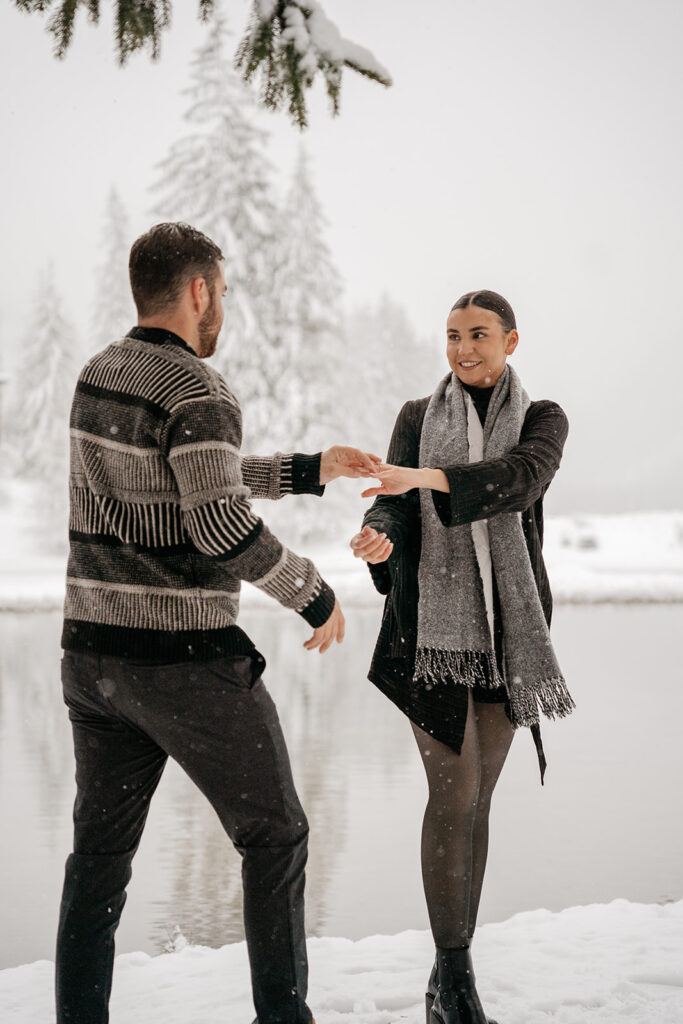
217, 720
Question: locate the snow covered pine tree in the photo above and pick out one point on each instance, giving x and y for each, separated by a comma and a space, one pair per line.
310, 289
39, 406
218, 179
314, 390
113, 310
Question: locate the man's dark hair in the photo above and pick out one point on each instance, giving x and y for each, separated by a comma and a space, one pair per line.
491, 301
164, 260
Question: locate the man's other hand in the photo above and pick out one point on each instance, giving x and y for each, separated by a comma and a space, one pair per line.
340, 460
331, 630
371, 546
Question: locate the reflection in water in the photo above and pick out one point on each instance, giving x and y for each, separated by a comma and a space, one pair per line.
32, 703
317, 699
600, 828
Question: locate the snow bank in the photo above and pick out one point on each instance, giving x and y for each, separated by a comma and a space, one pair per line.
601, 964
636, 557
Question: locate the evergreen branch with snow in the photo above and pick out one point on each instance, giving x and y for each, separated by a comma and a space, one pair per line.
289, 41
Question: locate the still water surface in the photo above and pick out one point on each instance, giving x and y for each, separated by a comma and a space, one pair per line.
607, 823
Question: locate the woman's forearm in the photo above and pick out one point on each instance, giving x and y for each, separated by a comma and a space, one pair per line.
394, 480
434, 479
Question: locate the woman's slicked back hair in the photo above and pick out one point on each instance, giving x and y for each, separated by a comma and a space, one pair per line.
491, 301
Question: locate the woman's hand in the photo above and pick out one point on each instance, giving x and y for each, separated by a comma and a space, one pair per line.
371, 546
399, 479
393, 480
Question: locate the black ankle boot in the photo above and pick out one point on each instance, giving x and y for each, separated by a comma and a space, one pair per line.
432, 986
456, 1000
430, 994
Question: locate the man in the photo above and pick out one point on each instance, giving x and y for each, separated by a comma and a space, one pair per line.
161, 535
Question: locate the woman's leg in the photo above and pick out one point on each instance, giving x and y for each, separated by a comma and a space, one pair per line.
447, 831
494, 733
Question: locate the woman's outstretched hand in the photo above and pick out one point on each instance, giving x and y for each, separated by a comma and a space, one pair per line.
399, 479
341, 460
371, 546
393, 480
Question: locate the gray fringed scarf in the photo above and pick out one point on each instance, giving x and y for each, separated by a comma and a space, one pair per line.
453, 638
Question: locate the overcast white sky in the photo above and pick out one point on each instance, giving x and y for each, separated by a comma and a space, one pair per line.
529, 146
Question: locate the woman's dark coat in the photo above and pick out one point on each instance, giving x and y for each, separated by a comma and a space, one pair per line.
516, 482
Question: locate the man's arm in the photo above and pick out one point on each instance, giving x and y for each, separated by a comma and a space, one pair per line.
277, 475
200, 443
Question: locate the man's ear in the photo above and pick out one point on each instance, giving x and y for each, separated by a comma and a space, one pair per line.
198, 294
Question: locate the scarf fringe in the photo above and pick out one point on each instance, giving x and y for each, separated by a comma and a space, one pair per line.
551, 695
435, 666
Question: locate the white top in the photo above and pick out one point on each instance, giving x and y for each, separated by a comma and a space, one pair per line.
480, 529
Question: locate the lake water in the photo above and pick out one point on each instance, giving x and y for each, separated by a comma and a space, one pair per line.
607, 823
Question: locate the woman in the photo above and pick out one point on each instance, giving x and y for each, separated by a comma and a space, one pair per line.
454, 540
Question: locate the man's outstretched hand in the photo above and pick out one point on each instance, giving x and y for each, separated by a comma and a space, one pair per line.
331, 630
341, 460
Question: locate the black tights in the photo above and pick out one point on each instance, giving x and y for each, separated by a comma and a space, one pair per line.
455, 831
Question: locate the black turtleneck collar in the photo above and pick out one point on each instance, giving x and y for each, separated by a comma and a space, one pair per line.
480, 398
159, 336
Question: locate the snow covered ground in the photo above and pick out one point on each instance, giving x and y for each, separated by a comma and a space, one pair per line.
600, 964
634, 557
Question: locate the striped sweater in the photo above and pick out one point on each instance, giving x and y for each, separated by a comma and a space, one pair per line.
161, 527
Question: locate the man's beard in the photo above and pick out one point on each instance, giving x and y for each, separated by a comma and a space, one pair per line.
208, 330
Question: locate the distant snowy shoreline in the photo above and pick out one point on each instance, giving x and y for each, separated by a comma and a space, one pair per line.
628, 558
23, 593
598, 964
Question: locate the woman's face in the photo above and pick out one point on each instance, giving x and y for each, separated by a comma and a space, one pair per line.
478, 346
